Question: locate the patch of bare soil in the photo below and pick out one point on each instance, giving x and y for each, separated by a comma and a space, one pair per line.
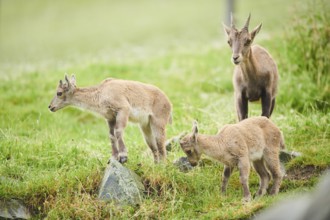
305, 172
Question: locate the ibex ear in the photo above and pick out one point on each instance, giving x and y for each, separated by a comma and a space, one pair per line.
60, 83
68, 82
195, 130
255, 31
226, 28
73, 80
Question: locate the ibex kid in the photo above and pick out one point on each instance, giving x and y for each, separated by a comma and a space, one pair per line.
120, 101
255, 74
255, 140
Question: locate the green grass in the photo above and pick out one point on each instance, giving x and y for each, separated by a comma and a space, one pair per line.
54, 161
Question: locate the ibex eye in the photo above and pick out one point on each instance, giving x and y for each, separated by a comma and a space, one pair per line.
229, 42
59, 94
247, 42
188, 151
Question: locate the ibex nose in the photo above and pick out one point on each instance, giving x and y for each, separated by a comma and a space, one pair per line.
235, 57
51, 108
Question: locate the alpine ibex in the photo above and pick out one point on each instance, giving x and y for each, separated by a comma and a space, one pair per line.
255, 73
255, 140
120, 101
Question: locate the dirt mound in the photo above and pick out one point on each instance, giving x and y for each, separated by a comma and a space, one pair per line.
305, 172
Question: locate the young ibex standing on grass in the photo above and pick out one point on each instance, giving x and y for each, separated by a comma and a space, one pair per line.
255, 140
120, 101
255, 73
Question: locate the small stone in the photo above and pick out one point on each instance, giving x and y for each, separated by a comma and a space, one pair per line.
121, 185
286, 156
183, 164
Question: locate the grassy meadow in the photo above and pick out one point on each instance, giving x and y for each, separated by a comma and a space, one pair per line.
54, 162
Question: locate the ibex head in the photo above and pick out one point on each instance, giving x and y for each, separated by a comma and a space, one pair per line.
189, 145
240, 40
64, 93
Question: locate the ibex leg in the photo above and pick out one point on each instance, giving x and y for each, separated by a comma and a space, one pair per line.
264, 177
272, 108
225, 177
151, 141
121, 122
113, 139
158, 130
242, 107
266, 102
244, 172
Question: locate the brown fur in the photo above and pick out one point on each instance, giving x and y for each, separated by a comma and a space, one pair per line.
120, 101
255, 74
255, 140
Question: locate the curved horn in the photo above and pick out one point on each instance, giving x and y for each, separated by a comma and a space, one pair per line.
246, 26
66, 79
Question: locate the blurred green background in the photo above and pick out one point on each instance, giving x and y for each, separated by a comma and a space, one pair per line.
38, 33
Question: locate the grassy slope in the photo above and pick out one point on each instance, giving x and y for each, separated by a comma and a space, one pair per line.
54, 162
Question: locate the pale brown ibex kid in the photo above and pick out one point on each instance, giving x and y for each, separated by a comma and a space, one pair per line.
255, 74
120, 101
255, 140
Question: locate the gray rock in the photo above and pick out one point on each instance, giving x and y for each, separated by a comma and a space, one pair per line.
286, 156
183, 164
121, 185
13, 209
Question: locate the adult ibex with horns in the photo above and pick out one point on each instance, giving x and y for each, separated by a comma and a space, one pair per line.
255, 74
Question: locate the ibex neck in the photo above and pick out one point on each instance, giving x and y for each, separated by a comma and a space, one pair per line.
248, 65
86, 98
209, 145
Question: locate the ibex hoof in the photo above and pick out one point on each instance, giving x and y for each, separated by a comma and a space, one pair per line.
123, 159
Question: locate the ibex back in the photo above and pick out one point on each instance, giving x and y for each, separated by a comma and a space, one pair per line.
255, 74
120, 101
